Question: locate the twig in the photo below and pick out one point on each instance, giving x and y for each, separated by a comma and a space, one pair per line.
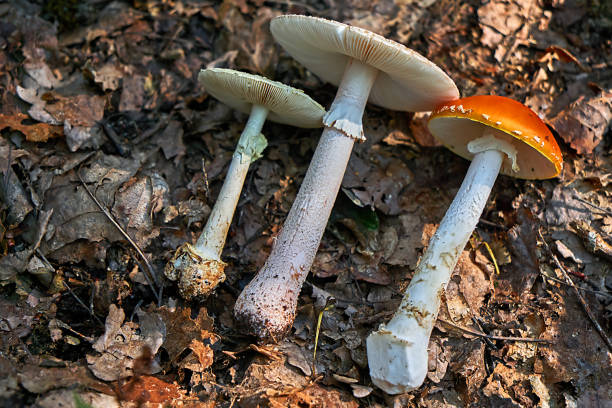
80, 302
491, 337
152, 280
492, 224
488, 341
596, 292
586, 307
593, 205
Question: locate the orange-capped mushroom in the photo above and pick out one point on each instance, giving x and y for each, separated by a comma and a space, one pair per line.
458, 122
498, 135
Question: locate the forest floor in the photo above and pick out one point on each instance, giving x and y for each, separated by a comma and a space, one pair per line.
100, 99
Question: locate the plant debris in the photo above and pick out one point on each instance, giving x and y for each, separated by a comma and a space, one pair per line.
102, 97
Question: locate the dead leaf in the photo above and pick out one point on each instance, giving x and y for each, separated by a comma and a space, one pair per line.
123, 343
517, 278
182, 330
583, 124
37, 132
147, 389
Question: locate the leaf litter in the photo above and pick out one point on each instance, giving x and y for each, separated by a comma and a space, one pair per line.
107, 93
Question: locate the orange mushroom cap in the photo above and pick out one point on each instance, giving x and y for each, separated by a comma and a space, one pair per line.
458, 122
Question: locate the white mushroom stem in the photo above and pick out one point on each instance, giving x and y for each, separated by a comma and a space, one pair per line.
267, 304
397, 351
199, 267
212, 239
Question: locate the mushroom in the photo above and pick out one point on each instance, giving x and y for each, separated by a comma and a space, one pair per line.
366, 67
199, 268
499, 135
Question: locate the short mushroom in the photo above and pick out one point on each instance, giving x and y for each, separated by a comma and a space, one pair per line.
366, 67
499, 135
199, 268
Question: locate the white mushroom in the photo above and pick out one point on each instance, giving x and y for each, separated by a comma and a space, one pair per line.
199, 268
365, 66
397, 351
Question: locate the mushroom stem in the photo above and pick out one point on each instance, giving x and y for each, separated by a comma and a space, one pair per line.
397, 351
199, 267
267, 304
212, 239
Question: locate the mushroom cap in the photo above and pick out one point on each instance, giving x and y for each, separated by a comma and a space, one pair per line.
458, 122
241, 91
407, 81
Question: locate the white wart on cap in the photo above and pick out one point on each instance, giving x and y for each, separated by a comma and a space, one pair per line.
407, 81
240, 90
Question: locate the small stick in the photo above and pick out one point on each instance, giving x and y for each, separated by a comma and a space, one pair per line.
582, 200
491, 337
586, 307
151, 280
491, 224
597, 292
80, 302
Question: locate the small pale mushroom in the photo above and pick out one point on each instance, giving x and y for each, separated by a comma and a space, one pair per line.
499, 135
199, 268
365, 66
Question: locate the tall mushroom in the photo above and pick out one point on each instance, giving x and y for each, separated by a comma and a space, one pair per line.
499, 135
366, 67
199, 268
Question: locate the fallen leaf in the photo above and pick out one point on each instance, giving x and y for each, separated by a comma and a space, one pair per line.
123, 343
583, 124
146, 389
37, 132
517, 278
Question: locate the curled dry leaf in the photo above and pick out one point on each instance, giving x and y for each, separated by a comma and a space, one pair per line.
583, 124
123, 343
37, 132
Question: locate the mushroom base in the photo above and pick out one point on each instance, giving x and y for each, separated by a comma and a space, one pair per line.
197, 275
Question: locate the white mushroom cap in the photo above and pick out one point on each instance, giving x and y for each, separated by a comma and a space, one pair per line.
407, 81
241, 91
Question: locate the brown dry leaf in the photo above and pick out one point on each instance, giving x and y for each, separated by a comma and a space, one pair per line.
13, 191
134, 203
438, 359
16, 323
517, 278
498, 388
122, 344
78, 110
146, 389
114, 16
108, 76
39, 380
577, 352
171, 141
563, 208
66, 398
38, 132
76, 217
133, 93
79, 113
413, 235
473, 281
420, 132
314, 396
203, 353
182, 330
583, 124
467, 363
